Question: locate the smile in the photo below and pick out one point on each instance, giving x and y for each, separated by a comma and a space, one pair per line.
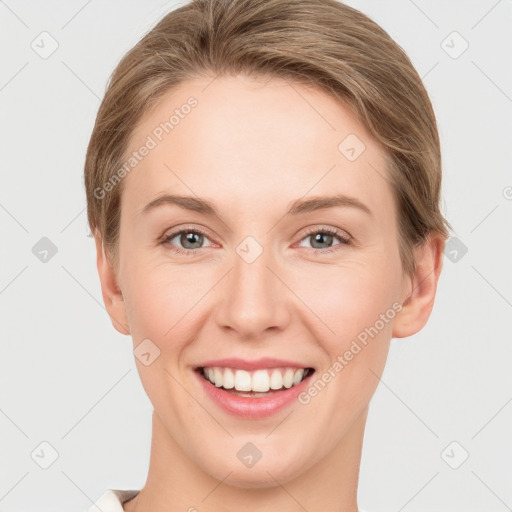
254, 382
253, 393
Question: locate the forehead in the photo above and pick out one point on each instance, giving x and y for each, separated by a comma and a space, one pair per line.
245, 141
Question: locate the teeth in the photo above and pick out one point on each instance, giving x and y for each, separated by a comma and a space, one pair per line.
228, 379
242, 381
297, 377
288, 378
259, 380
276, 380
217, 377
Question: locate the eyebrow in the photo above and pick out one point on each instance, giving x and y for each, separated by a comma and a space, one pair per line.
297, 207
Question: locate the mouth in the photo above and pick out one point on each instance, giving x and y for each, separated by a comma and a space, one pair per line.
254, 383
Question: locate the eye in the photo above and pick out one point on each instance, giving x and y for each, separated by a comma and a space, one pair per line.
325, 236
191, 240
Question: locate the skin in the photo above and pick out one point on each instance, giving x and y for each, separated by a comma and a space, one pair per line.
252, 148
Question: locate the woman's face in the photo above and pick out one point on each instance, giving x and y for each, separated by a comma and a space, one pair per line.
258, 281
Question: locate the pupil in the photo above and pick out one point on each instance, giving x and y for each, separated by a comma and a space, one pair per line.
321, 235
189, 238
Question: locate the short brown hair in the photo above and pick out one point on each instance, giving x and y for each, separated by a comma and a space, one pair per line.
322, 43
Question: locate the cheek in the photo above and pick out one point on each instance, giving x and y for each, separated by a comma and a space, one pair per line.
357, 304
363, 317
162, 298
349, 298
160, 305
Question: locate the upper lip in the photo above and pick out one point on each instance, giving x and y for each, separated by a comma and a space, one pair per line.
243, 364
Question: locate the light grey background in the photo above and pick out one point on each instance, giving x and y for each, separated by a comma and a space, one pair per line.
69, 379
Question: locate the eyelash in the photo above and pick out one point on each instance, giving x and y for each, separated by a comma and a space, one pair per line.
329, 231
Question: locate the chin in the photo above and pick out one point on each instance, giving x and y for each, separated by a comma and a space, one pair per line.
260, 480
263, 474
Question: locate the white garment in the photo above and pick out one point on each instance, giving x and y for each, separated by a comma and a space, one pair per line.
112, 500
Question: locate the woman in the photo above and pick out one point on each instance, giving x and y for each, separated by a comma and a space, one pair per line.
263, 184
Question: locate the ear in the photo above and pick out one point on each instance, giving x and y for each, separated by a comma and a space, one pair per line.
112, 296
422, 285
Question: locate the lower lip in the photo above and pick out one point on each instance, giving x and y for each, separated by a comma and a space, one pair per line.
252, 408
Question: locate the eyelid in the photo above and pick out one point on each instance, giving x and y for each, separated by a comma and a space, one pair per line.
179, 228
340, 233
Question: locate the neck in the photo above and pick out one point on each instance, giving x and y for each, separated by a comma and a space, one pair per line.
176, 483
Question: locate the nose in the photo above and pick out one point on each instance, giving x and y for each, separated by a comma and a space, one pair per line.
254, 300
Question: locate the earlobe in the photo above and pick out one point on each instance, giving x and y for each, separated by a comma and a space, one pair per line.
112, 295
418, 306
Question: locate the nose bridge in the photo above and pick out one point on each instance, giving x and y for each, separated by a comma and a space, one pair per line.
254, 296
